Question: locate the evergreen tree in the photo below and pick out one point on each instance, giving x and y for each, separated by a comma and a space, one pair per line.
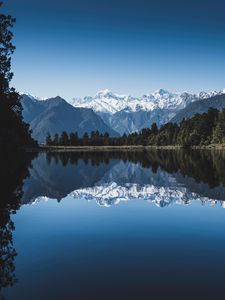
64, 139
74, 139
219, 130
154, 128
199, 130
92, 138
106, 139
14, 133
55, 141
85, 139
48, 139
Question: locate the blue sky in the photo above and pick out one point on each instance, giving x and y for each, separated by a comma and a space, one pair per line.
76, 47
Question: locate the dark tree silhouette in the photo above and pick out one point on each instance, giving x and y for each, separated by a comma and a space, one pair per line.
64, 139
13, 171
13, 131
74, 139
48, 139
55, 141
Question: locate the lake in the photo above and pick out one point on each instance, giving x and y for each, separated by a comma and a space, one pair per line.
113, 225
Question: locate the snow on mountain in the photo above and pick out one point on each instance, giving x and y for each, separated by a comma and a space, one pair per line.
127, 114
114, 194
106, 101
114, 183
110, 194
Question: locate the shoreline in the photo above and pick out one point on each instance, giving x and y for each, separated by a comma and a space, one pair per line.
124, 148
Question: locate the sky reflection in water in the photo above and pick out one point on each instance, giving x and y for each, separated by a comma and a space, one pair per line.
120, 226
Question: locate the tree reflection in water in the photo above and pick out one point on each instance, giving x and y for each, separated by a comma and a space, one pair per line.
203, 166
13, 170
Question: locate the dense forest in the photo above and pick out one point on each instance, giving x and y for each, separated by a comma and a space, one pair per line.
14, 132
200, 130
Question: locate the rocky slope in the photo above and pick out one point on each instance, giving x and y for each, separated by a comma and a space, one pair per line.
55, 115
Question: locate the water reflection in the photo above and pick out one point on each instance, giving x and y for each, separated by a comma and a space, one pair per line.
14, 169
160, 177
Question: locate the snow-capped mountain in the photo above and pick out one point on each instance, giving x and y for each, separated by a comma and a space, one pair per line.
126, 114
110, 194
114, 113
106, 101
113, 194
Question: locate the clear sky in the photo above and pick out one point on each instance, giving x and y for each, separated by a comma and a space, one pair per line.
76, 47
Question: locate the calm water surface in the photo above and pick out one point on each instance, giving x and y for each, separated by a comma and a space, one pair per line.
129, 225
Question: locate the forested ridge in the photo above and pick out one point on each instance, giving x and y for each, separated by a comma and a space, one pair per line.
200, 130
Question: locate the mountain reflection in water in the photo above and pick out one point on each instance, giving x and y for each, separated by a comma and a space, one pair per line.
161, 177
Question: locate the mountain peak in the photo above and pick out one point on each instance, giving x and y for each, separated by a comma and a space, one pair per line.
31, 96
105, 101
55, 115
55, 101
104, 94
56, 98
161, 92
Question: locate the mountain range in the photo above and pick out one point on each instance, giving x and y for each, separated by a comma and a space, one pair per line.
126, 114
113, 113
55, 115
106, 101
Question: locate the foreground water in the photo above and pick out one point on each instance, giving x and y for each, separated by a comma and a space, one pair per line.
129, 225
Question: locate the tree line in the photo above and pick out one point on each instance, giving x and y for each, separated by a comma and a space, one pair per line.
200, 130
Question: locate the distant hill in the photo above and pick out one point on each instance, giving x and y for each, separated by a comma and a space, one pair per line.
200, 106
56, 115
